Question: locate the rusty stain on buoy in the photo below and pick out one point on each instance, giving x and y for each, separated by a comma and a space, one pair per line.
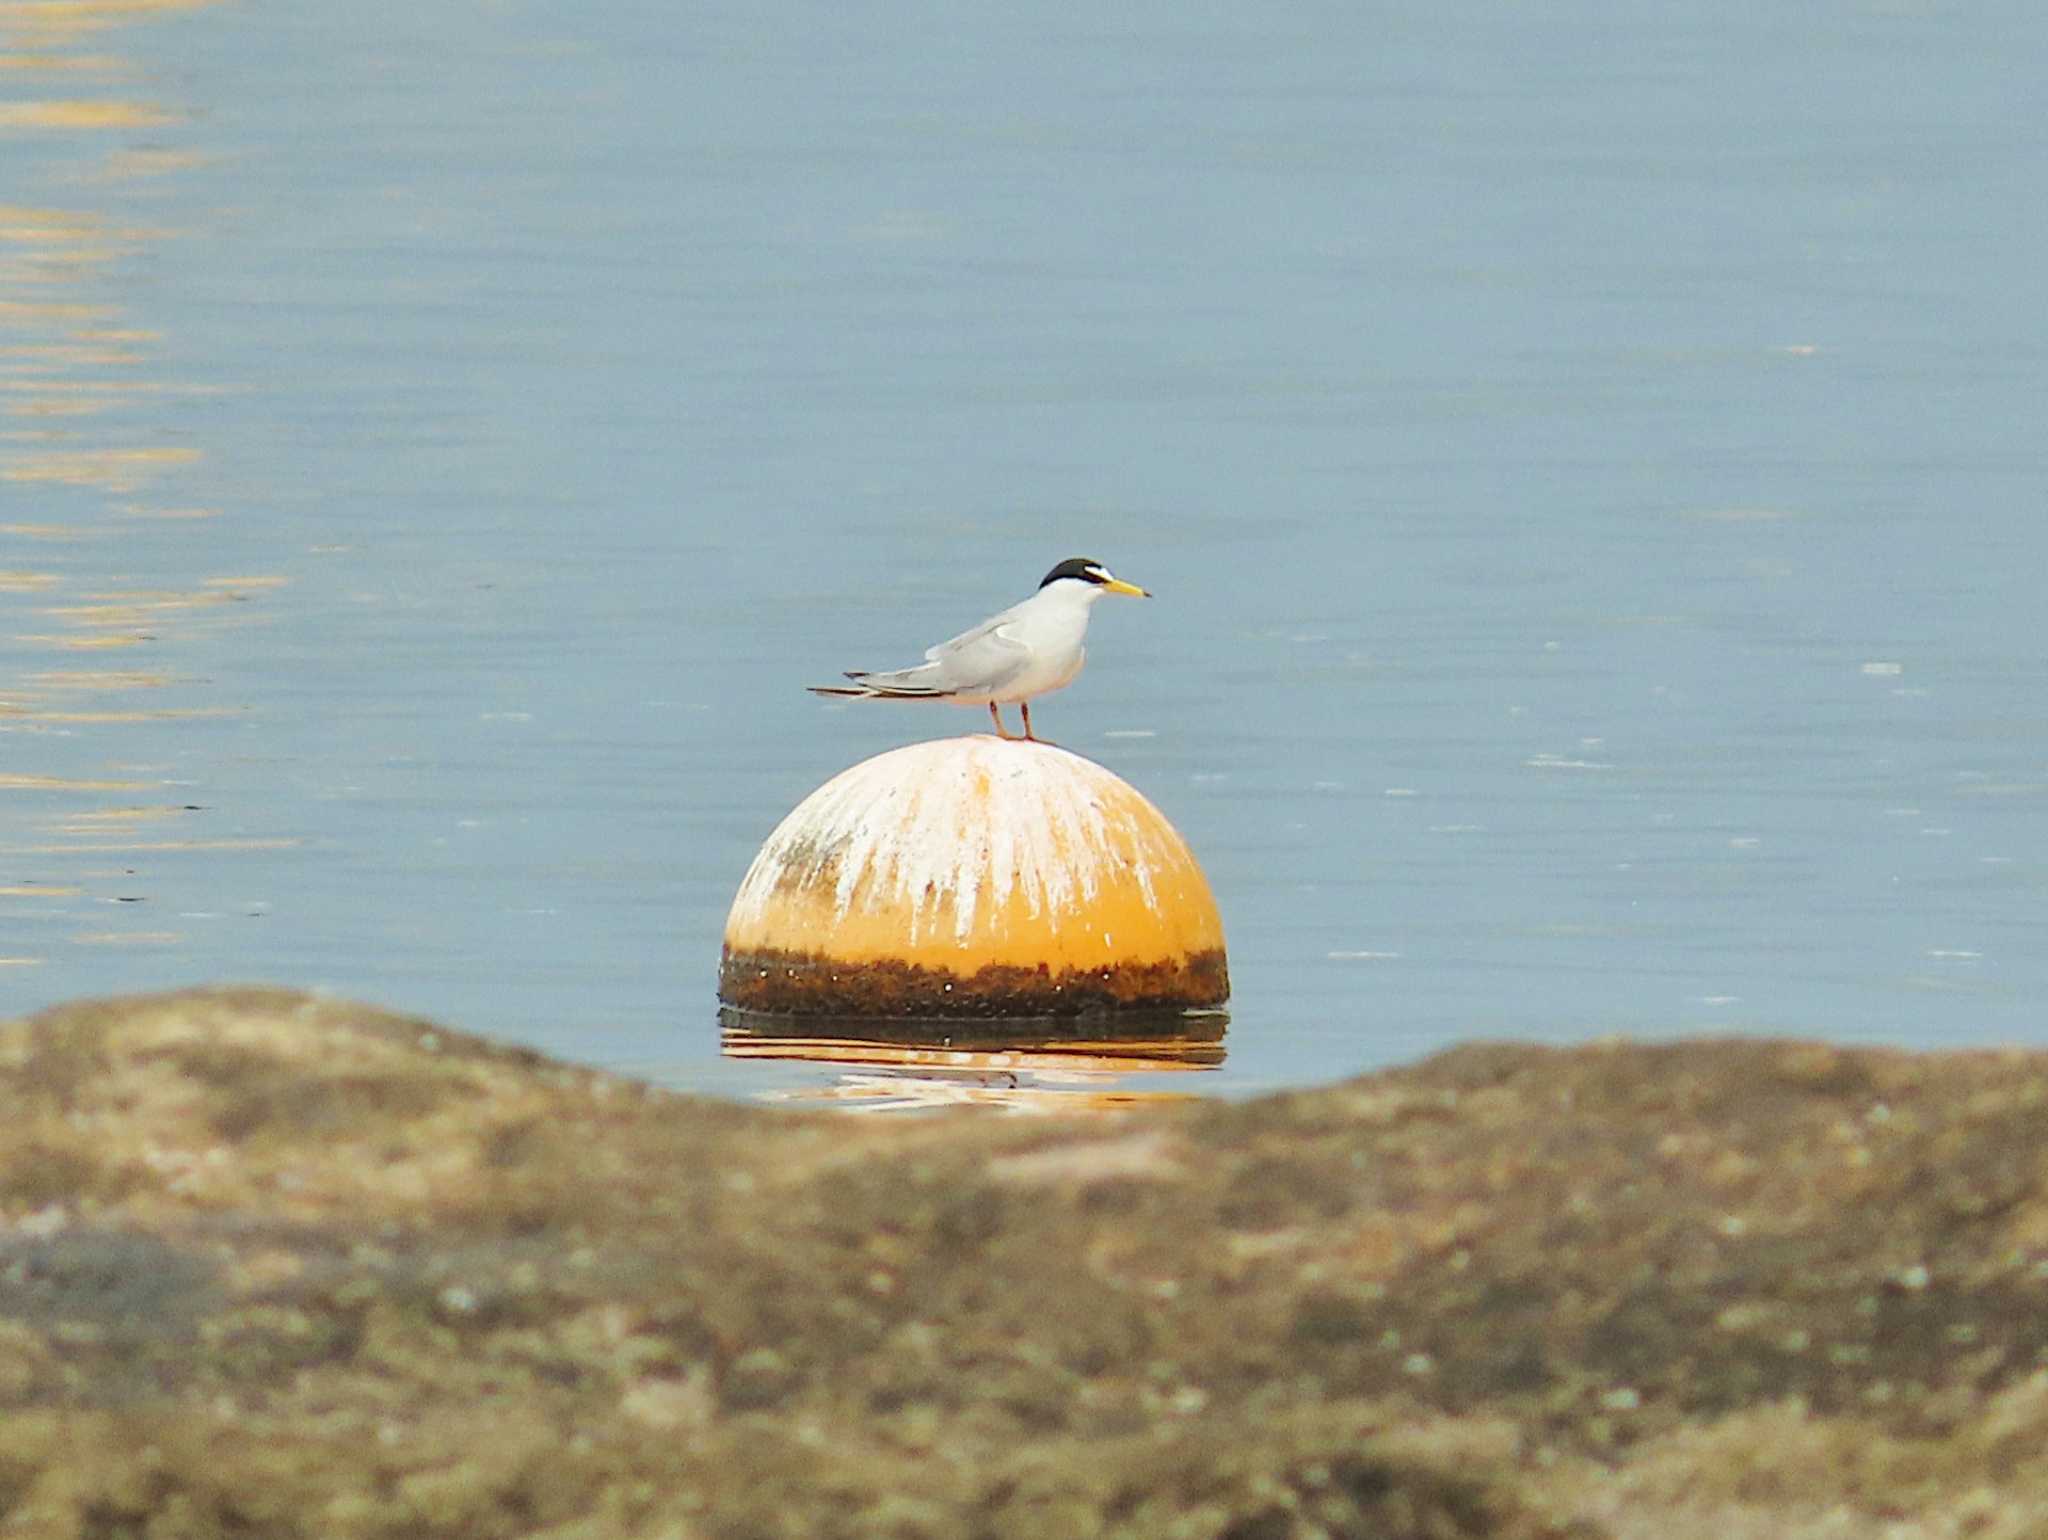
974, 877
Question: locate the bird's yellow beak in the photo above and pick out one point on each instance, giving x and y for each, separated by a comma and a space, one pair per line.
1119, 586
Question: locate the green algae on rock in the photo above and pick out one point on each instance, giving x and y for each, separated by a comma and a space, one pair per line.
292, 1267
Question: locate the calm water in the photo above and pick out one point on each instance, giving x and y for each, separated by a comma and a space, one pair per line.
1590, 464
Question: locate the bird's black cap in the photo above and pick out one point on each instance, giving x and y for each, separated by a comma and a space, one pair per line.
1086, 568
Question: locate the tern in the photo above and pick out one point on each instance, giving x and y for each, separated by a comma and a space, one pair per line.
1030, 649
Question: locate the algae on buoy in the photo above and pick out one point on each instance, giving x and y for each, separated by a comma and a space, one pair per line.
974, 877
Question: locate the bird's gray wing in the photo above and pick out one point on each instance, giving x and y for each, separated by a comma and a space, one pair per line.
969, 637
986, 658
981, 659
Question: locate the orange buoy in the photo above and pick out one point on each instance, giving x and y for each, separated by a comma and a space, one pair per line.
974, 877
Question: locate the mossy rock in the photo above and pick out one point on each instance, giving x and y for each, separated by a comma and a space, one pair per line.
283, 1266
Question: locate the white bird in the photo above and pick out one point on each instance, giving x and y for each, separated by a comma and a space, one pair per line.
1030, 649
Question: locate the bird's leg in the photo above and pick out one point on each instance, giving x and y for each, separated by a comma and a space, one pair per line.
1025, 707
996, 716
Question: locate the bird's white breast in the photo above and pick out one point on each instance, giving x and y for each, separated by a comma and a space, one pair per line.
1051, 626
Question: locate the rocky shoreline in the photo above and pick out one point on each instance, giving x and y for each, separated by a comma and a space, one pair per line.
283, 1266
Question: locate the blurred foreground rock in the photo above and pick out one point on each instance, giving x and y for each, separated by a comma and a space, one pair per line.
275, 1266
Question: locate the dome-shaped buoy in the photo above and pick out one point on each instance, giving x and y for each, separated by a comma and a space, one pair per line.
974, 877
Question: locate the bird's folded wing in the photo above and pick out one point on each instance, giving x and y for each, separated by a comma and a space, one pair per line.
968, 638
981, 660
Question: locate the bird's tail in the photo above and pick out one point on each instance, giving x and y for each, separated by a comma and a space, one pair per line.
898, 685
871, 692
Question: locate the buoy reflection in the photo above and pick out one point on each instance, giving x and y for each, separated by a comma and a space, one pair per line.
1019, 1066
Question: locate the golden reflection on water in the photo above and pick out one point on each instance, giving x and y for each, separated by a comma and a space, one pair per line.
102, 819
128, 847
82, 643
58, 64
99, 679
17, 782
43, 24
898, 1066
119, 469
52, 532
81, 114
81, 460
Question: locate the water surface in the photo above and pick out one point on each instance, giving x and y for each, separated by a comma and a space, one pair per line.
1589, 465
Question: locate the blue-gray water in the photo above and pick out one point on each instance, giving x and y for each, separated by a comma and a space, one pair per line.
1589, 459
